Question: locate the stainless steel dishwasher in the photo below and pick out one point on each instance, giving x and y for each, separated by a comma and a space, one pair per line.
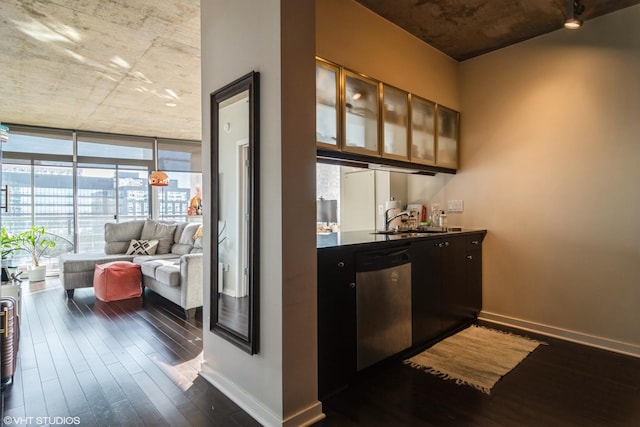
383, 304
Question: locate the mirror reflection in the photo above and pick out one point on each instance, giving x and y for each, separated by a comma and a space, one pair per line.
234, 310
233, 213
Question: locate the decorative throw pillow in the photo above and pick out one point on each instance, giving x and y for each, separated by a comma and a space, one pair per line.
163, 232
142, 247
199, 233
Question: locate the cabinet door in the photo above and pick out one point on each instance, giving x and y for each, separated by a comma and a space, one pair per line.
474, 274
447, 141
361, 102
395, 123
423, 131
327, 102
454, 283
336, 319
426, 290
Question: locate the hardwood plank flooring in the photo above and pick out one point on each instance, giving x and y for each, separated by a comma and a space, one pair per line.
135, 362
124, 363
559, 384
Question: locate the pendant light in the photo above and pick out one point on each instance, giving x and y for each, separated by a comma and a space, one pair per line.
157, 178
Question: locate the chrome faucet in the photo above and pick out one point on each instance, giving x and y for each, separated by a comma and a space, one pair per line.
388, 220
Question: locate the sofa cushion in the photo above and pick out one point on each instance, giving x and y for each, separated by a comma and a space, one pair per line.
76, 263
184, 244
166, 271
118, 236
197, 246
142, 247
154, 230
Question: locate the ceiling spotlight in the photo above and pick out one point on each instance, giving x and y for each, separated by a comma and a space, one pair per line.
574, 22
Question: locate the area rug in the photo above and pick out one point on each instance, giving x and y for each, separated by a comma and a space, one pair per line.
476, 356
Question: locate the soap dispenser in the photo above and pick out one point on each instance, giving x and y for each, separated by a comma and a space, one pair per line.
442, 221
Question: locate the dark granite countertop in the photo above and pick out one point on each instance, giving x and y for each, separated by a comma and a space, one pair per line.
332, 240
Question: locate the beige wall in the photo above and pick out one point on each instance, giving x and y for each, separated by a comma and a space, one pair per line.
550, 163
278, 385
551, 167
352, 36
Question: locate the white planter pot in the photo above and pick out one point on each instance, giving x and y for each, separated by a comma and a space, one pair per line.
36, 274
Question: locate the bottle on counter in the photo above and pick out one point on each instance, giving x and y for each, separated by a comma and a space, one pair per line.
442, 220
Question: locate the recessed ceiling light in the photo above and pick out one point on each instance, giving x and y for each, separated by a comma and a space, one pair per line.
171, 104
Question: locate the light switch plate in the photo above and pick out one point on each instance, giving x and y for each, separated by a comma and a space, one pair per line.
455, 206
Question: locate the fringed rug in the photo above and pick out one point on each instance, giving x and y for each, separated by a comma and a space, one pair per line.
476, 356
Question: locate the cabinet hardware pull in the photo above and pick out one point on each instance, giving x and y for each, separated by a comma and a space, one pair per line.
446, 243
469, 256
475, 242
352, 285
340, 264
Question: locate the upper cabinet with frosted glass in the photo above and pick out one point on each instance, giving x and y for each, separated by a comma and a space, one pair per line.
423, 131
395, 123
327, 105
361, 111
362, 120
447, 143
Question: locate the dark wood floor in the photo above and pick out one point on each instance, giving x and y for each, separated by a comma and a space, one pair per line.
559, 384
135, 363
234, 312
124, 363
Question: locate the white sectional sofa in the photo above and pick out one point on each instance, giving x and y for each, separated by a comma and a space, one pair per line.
174, 271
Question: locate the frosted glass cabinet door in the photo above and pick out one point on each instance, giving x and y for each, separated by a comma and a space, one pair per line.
422, 131
395, 116
448, 125
360, 114
327, 105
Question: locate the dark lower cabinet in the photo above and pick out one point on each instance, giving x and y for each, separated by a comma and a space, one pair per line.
336, 319
474, 273
426, 290
446, 284
446, 292
455, 296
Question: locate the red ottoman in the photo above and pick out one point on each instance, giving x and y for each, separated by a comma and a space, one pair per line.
117, 280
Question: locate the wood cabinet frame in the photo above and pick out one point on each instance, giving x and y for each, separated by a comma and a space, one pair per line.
340, 152
338, 105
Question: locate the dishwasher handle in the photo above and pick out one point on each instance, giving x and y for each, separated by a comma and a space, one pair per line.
380, 260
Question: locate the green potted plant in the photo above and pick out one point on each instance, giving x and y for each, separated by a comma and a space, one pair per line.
8, 248
35, 242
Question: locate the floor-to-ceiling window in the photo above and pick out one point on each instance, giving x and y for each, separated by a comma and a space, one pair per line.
183, 162
74, 182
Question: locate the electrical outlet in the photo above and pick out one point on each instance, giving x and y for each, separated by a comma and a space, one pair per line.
455, 206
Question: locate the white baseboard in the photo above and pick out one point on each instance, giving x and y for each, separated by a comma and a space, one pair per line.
564, 334
310, 415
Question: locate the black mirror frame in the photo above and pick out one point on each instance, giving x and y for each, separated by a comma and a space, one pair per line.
250, 82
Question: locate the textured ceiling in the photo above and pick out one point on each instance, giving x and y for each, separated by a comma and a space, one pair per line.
121, 66
133, 66
466, 28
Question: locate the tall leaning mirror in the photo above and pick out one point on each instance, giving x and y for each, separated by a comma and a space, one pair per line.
234, 168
